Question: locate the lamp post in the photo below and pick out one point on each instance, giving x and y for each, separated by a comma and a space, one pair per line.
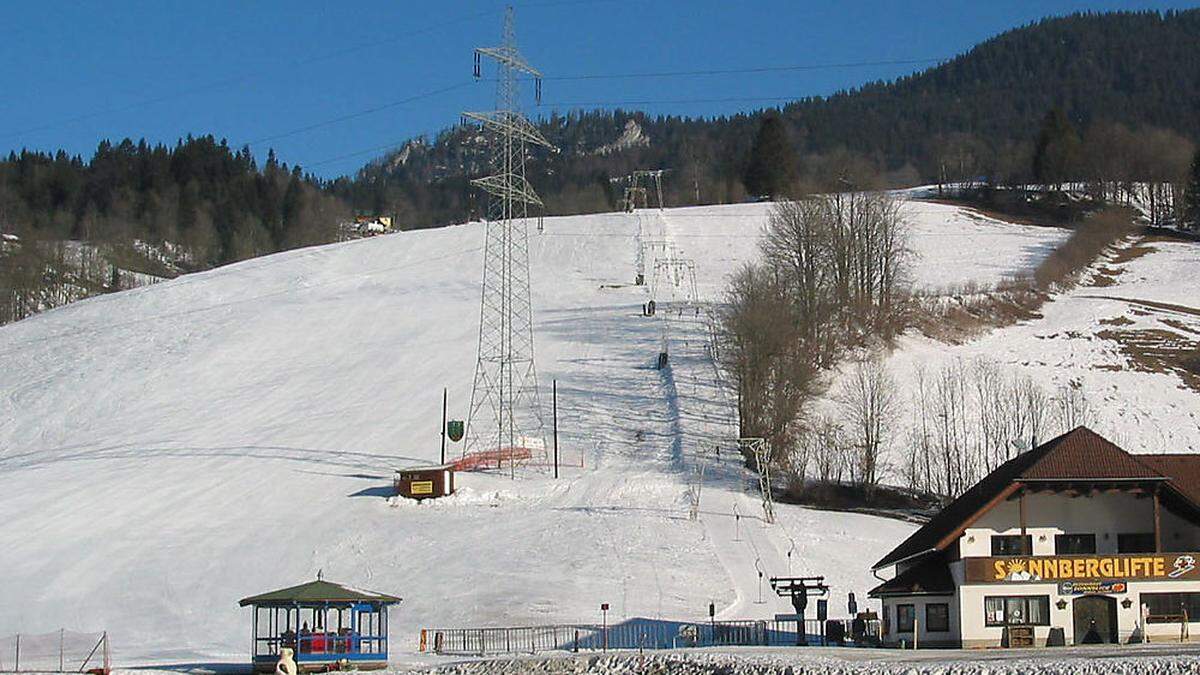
604, 613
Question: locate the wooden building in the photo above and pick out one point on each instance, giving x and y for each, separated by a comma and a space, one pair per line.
427, 482
1075, 541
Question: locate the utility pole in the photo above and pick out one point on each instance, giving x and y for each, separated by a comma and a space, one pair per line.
445, 398
505, 404
554, 399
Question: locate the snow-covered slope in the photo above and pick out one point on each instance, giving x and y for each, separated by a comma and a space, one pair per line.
1128, 338
168, 450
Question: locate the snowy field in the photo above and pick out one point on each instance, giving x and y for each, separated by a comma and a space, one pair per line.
169, 450
1147, 299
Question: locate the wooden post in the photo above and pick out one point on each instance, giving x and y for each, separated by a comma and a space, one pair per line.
445, 396
1024, 534
18, 666
1157, 522
554, 398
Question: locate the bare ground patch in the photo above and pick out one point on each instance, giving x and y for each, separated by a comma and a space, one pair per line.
1154, 350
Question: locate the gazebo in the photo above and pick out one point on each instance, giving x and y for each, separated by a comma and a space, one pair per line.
328, 626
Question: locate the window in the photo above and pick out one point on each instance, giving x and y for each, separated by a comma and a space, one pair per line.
1068, 544
1135, 542
1168, 607
1017, 610
905, 616
1011, 544
937, 618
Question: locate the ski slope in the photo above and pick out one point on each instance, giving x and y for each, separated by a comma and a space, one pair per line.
168, 450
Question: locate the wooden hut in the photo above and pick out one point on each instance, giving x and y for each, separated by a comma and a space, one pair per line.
425, 482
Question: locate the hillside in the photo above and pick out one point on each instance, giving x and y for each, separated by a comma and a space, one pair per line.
978, 113
168, 450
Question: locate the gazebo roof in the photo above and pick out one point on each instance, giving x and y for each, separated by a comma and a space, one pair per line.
316, 592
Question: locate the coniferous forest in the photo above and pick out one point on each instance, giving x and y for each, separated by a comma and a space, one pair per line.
1106, 100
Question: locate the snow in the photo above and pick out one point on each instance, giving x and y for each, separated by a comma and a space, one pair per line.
1140, 410
951, 246
632, 136
1166, 659
168, 450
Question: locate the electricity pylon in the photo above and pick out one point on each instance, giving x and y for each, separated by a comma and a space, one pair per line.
505, 406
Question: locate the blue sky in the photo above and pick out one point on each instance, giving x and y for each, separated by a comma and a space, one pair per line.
265, 71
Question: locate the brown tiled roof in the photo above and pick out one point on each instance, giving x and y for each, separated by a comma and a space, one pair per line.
1082, 454
929, 577
1184, 471
1078, 455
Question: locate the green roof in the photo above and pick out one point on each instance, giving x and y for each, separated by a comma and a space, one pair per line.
317, 591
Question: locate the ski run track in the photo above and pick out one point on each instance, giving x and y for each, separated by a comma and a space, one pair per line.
168, 450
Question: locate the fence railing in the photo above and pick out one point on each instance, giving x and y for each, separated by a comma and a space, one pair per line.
635, 634
62, 651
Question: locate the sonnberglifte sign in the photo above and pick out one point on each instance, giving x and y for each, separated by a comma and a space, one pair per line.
1131, 566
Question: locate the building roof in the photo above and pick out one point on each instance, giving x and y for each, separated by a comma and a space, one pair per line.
928, 577
317, 592
1184, 471
1080, 455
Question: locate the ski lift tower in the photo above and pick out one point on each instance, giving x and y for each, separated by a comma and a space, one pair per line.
762, 461
799, 589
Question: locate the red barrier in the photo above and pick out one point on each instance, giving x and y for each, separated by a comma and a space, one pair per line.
492, 459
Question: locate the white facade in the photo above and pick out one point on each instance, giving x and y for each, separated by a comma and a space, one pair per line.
1111, 520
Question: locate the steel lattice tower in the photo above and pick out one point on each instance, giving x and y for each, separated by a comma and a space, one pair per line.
505, 405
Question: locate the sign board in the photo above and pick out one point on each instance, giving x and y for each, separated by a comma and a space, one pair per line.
421, 487
455, 429
1128, 566
788, 617
1092, 587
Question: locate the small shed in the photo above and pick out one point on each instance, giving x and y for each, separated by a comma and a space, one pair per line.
425, 482
327, 626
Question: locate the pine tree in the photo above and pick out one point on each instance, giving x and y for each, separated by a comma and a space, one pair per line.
771, 168
1191, 203
1057, 151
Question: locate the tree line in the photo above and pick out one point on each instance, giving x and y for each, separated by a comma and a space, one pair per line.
974, 118
135, 211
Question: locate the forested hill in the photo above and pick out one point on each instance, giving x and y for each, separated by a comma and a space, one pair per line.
979, 113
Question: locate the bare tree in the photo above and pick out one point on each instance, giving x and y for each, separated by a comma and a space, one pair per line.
1072, 407
868, 402
763, 351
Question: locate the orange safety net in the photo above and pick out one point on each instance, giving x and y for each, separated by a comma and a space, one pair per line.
491, 459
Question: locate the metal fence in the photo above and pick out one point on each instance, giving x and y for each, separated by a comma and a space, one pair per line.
62, 651
632, 634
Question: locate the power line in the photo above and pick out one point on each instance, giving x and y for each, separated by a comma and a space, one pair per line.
606, 76
742, 71
360, 113
248, 76
678, 101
